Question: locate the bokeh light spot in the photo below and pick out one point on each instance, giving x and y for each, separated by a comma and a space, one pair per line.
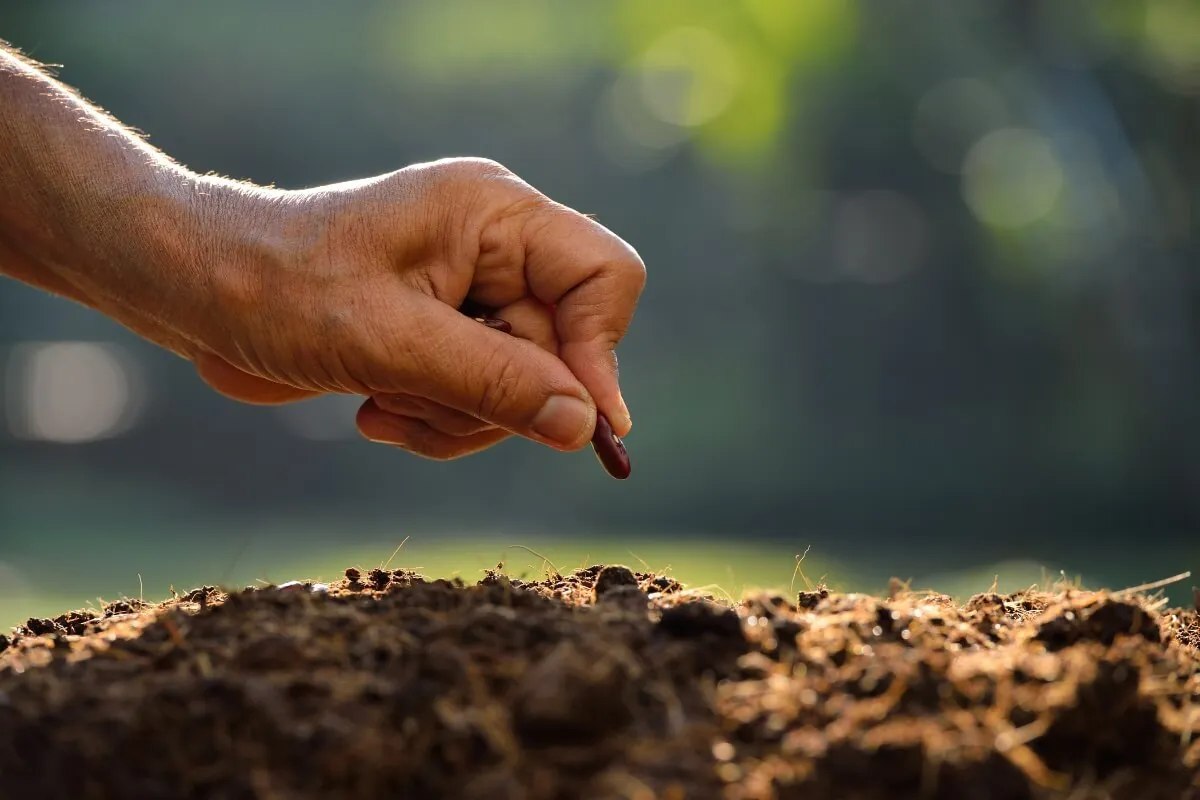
627, 133
1011, 178
71, 392
689, 76
1171, 38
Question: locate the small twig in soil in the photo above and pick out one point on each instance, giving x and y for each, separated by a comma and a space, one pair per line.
387, 563
1146, 587
243, 546
641, 561
800, 560
539, 555
1158, 604
666, 570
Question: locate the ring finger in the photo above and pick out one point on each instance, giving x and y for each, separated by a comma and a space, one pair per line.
439, 417
416, 436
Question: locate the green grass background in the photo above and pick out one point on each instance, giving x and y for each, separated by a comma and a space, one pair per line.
51, 568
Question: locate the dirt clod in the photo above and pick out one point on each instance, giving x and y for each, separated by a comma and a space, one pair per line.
604, 683
1102, 621
125, 607
610, 578
663, 585
38, 627
198, 595
700, 619
74, 623
576, 693
379, 578
811, 599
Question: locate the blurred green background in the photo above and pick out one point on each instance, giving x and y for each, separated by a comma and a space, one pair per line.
922, 293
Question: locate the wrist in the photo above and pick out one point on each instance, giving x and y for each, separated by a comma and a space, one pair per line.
123, 243
94, 213
184, 250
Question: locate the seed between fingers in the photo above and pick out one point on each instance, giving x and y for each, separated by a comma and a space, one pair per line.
495, 324
609, 448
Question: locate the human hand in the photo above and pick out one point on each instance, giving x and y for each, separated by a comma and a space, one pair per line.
356, 288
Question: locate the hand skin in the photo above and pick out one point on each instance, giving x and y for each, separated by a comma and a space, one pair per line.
280, 295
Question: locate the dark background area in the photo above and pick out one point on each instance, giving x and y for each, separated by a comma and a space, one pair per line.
922, 276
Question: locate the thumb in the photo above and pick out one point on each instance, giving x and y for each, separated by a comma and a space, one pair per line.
509, 382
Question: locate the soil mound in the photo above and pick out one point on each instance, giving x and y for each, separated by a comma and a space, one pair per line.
606, 683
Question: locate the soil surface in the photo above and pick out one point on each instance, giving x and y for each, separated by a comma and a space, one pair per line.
605, 683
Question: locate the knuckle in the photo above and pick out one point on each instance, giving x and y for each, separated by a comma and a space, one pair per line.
402, 404
372, 427
467, 170
637, 268
434, 445
631, 269
421, 440
595, 326
484, 166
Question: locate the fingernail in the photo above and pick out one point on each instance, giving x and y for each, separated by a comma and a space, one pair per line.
562, 420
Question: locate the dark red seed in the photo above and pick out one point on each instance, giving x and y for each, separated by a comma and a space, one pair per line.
610, 450
496, 324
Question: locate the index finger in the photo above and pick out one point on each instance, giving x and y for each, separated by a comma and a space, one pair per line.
594, 280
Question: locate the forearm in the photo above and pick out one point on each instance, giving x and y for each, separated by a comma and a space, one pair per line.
91, 211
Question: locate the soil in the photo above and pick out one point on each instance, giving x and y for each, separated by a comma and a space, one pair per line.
605, 683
